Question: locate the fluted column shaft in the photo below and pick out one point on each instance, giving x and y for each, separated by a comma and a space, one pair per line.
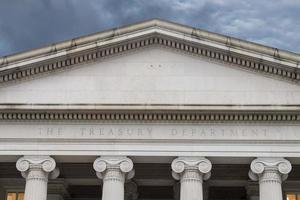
113, 171
191, 185
113, 184
36, 185
270, 172
191, 171
36, 170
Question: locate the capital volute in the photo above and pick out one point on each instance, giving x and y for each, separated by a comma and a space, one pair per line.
275, 165
43, 163
104, 163
198, 164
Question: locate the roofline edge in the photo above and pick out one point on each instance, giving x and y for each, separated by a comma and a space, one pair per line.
199, 33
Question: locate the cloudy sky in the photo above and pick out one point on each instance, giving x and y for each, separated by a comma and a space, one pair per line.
26, 24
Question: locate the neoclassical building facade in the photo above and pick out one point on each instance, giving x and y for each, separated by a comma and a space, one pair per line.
153, 110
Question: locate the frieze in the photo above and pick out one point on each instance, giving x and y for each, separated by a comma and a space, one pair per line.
151, 132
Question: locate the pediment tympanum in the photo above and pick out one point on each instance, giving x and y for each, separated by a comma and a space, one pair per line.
153, 75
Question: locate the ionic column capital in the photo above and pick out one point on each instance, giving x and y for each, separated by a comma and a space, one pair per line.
45, 164
195, 164
270, 169
122, 164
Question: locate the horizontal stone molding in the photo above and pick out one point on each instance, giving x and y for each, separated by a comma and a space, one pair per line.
94, 139
102, 52
152, 116
148, 133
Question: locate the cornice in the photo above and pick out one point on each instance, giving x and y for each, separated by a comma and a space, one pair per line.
152, 114
98, 51
186, 30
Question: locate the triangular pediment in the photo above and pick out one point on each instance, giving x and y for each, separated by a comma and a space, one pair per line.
153, 75
248, 55
151, 63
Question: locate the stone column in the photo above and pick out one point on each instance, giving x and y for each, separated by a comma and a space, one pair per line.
36, 170
191, 171
270, 172
114, 171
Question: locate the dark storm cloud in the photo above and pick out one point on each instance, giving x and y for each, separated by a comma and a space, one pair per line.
26, 24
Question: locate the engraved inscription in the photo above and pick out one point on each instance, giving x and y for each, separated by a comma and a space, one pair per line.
115, 131
222, 132
51, 132
152, 131
164, 132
